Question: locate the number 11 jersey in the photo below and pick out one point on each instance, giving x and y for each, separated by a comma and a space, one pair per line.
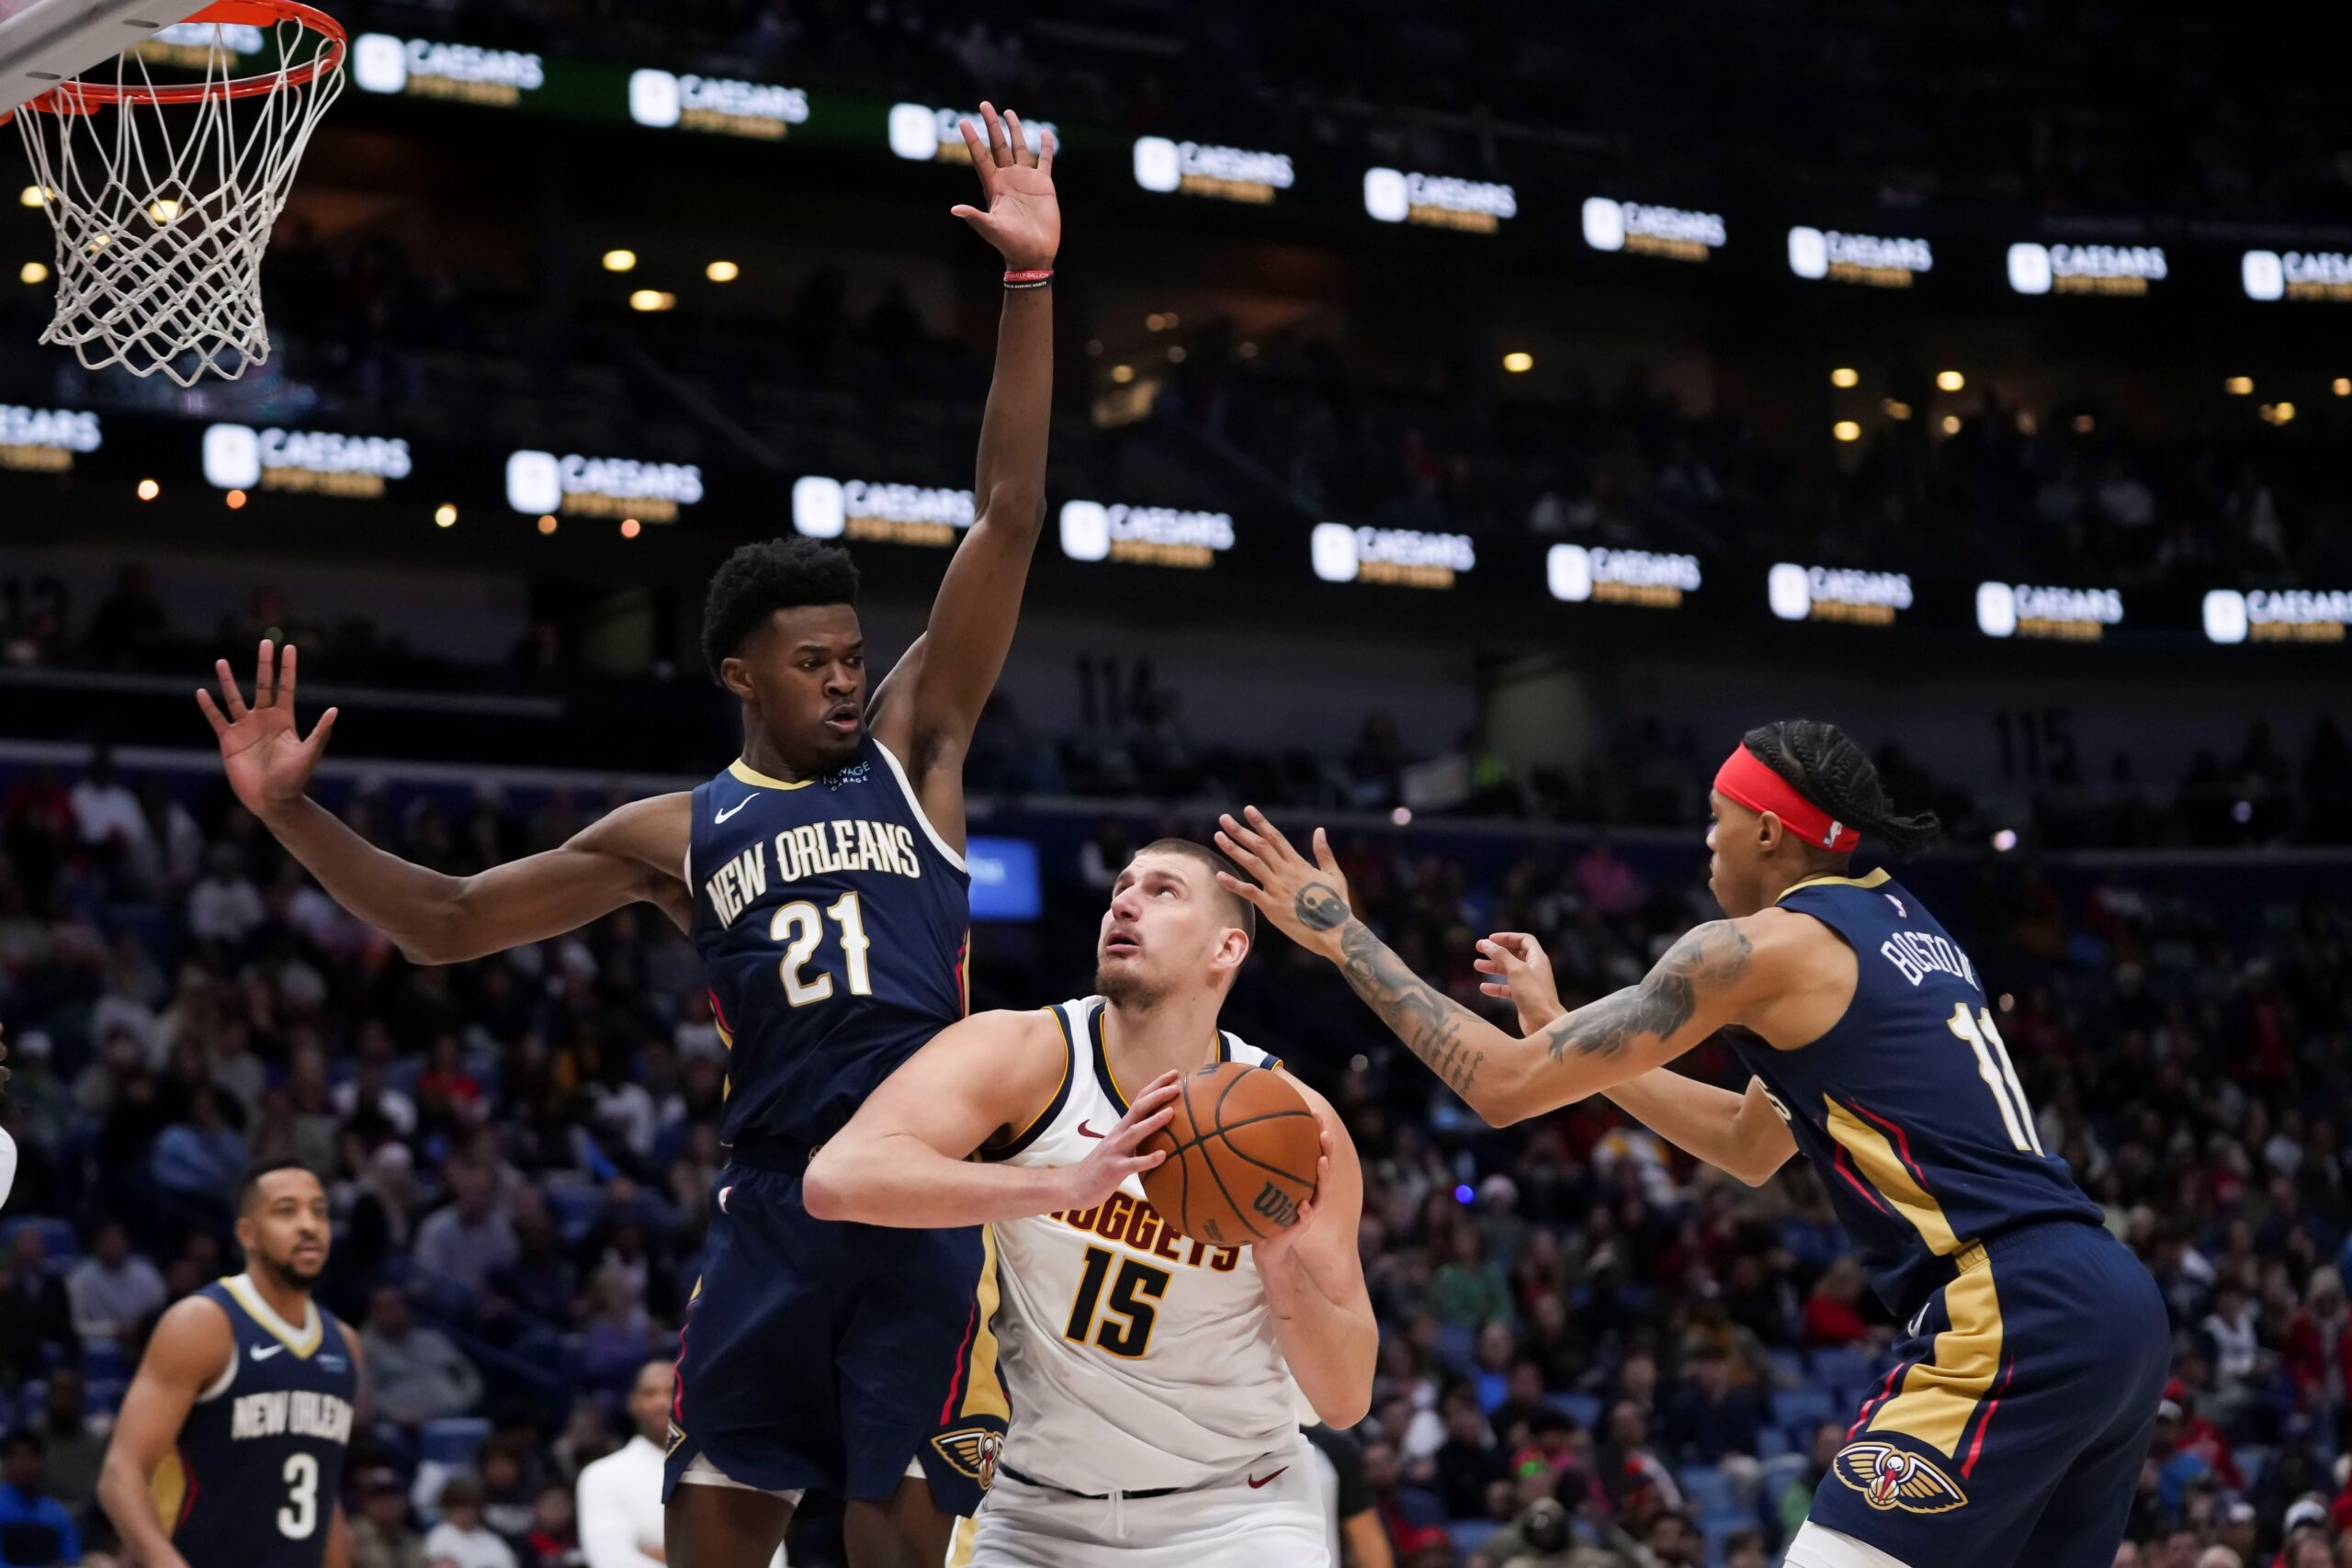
834, 924
1908, 1106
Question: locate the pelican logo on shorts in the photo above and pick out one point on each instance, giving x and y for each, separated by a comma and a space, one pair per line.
677, 1436
973, 1450
1888, 1479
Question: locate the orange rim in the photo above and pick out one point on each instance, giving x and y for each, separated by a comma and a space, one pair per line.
88, 98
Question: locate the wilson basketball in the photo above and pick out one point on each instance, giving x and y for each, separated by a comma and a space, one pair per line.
1243, 1149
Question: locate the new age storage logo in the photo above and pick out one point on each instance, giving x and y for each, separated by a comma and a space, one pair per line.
1639, 229
599, 487
2121, 270
2064, 615
423, 69
1196, 168
44, 441
319, 462
919, 133
1438, 201
1402, 558
1144, 536
1837, 593
2292, 614
1871, 259
1577, 575
756, 109
2296, 275
886, 513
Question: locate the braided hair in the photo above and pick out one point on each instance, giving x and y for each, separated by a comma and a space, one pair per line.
1822, 762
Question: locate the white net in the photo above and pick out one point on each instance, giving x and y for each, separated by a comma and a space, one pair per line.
162, 192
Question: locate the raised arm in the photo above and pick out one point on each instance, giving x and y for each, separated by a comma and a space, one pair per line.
1740, 1133
637, 853
904, 1159
1712, 977
190, 1348
955, 666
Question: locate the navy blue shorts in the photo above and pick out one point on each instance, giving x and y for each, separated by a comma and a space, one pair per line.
828, 1356
2012, 1428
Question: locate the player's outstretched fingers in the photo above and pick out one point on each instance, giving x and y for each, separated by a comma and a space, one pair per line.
286, 676
1248, 892
211, 713
1046, 153
1248, 835
1323, 856
1019, 143
232, 695
975, 143
264, 675
1000, 153
1241, 853
1265, 825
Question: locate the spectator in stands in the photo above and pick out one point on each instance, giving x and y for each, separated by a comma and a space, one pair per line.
383, 1535
1469, 1290
106, 814
1833, 1311
34, 1312
198, 1158
36, 1531
75, 1442
2319, 1345
414, 1374
1744, 1549
1711, 1422
461, 1540
620, 1494
224, 906
554, 1539
114, 1291
1466, 1462
463, 1241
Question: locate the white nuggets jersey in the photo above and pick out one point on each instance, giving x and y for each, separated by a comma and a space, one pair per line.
1135, 1359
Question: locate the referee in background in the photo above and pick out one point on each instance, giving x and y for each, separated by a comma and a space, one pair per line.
1358, 1540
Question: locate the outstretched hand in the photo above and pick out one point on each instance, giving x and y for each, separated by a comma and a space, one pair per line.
1112, 1161
1523, 972
1308, 900
267, 761
1021, 217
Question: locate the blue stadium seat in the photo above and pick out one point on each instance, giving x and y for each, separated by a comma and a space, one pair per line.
1779, 1474
1705, 1490
1843, 1369
104, 1395
1457, 1346
1772, 1443
1469, 1535
1801, 1408
452, 1440
101, 1358
1581, 1408
577, 1210
1787, 1366
64, 1248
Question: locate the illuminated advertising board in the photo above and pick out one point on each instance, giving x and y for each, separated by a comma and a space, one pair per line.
45, 441
2289, 614
921, 134
1837, 593
1199, 168
2112, 270
1403, 557
1578, 574
599, 487
759, 110
316, 462
1144, 536
826, 508
420, 68
1639, 229
1873, 260
2296, 275
2064, 614
1438, 201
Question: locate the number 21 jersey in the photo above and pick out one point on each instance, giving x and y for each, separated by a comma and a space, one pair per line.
833, 922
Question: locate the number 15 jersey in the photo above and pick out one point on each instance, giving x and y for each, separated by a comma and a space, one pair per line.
834, 923
1908, 1106
1135, 1359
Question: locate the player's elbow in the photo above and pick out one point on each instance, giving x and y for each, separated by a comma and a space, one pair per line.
825, 1191
1344, 1409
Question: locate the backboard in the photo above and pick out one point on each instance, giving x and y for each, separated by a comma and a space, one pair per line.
42, 42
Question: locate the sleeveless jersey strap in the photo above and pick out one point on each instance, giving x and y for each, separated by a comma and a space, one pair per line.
1036, 1125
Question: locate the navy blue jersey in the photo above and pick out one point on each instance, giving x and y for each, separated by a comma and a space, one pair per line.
833, 922
257, 1472
1908, 1107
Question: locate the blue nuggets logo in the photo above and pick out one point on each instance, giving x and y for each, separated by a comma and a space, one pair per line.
856, 773
1889, 1478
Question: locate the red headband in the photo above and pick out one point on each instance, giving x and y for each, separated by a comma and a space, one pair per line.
1749, 780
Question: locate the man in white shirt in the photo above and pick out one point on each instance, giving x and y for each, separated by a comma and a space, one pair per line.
105, 811
620, 1494
113, 1291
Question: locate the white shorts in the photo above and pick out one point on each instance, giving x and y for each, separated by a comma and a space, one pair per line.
1267, 1515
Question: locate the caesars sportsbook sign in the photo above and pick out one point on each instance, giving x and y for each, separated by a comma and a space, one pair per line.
871, 510
318, 462
573, 485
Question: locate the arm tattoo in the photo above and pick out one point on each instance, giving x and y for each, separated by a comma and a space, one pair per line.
1319, 907
1429, 1021
1707, 956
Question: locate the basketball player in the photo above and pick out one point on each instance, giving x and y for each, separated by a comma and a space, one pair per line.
1155, 1418
228, 1453
2012, 1429
822, 877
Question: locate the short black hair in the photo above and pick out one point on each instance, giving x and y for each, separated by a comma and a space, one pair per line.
759, 579
1823, 763
1243, 913
249, 1179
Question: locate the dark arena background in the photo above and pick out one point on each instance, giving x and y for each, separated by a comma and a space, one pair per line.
1467, 422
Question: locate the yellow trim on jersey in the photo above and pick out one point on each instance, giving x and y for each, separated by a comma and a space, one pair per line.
746, 773
168, 1488
1885, 1170
1939, 1394
1101, 1043
963, 1543
1875, 879
983, 1389
302, 1344
1069, 1053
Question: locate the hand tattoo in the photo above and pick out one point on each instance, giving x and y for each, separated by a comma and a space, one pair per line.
1429, 1021
1707, 955
1320, 908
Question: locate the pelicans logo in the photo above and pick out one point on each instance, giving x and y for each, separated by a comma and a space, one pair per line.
973, 1450
1888, 1478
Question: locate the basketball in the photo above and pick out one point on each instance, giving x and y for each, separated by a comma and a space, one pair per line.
1242, 1150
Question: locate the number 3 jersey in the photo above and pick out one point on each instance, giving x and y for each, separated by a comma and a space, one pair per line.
254, 1477
1908, 1107
1135, 1359
833, 920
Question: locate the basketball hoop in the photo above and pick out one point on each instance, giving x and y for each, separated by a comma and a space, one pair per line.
163, 195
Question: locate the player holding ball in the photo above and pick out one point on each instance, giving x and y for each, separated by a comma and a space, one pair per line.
1150, 1343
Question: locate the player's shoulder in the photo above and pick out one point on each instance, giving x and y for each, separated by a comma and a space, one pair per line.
193, 1338
654, 833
